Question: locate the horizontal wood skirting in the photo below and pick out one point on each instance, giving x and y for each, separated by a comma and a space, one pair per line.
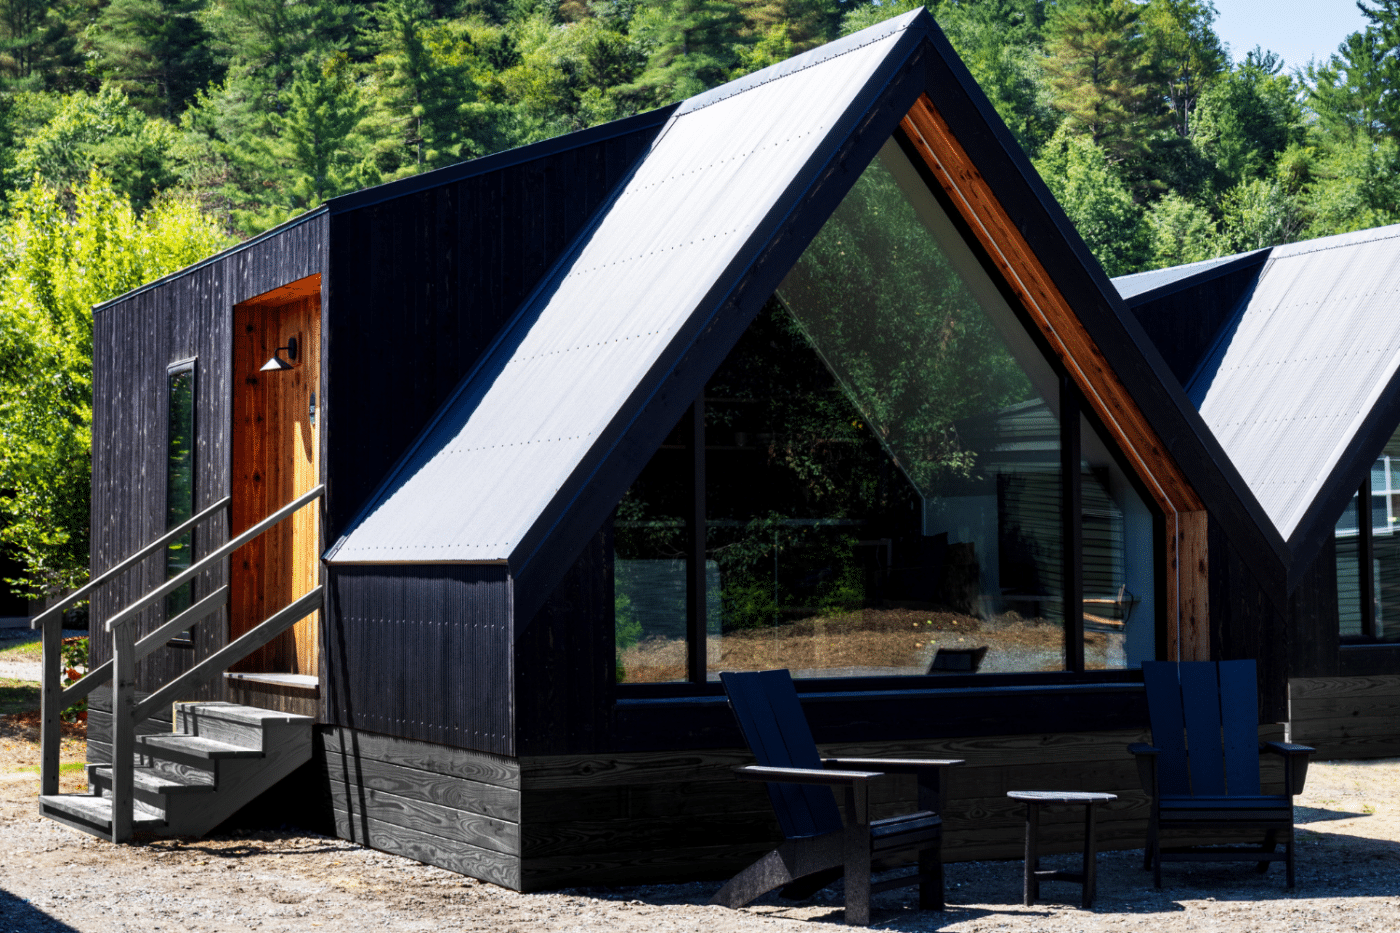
449, 807
422, 756
468, 860
635, 818
1346, 717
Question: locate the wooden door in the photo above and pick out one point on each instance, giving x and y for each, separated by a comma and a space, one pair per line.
276, 458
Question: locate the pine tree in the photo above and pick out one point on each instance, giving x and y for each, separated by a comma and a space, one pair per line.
1187, 51
1101, 75
157, 51
37, 49
691, 46
423, 95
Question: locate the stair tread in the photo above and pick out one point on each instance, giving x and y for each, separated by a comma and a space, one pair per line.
197, 746
250, 715
98, 810
148, 779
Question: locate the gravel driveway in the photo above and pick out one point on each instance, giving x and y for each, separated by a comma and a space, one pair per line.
55, 879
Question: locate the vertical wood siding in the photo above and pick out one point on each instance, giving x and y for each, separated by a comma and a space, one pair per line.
420, 652
420, 286
134, 341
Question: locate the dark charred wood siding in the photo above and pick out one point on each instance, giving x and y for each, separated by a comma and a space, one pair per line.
422, 283
134, 340
421, 652
1296, 637
1184, 324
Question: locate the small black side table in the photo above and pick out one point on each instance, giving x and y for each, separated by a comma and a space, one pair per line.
1034, 800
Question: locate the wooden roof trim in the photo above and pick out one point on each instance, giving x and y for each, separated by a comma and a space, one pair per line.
1047, 307
301, 288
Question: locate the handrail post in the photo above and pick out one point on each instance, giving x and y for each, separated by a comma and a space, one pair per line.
51, 697
123, 730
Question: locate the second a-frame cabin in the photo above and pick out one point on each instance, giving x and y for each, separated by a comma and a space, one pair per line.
809, 371
1292, 356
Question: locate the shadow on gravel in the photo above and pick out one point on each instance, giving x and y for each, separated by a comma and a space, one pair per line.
22, 917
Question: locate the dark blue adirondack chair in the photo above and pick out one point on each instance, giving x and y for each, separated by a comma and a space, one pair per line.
818, 847
1202, 768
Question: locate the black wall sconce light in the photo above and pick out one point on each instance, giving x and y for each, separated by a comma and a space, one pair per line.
277, 364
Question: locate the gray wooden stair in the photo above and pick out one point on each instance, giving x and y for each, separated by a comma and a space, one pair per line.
220, 757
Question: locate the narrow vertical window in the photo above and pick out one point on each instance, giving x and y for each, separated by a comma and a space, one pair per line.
179, 483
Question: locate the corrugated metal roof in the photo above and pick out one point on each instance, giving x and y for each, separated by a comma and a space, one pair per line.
1139, 283
1308, 355
489, 466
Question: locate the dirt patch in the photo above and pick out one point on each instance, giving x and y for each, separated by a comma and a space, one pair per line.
54, 879
871, 641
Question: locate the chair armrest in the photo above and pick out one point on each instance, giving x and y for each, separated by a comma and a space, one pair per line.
1295, 766
804, 776
1146, 757
933, 788
890, 765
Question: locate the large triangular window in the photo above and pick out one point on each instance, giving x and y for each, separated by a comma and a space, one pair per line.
873, 482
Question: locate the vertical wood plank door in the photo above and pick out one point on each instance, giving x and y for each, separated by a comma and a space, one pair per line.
276, 458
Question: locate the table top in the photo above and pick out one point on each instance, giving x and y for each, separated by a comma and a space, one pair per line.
1060, 796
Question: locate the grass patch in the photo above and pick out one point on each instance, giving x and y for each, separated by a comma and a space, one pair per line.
31, 649
18, 696
67, 767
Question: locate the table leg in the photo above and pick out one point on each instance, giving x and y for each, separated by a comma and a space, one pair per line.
1032, 886
1091, 856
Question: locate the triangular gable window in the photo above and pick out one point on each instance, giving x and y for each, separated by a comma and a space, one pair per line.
872, 483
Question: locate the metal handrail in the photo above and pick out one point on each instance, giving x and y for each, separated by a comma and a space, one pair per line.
73, 597
194, 570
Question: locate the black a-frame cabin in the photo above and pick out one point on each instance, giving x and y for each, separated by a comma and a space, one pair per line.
809, 371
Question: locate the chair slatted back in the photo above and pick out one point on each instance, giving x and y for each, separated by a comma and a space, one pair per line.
1204, 717
775, 728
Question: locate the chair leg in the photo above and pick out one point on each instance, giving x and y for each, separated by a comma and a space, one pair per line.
931, 877
1270, 845
1290, 877
858, 876
1151, 846
790, 863
1157, 861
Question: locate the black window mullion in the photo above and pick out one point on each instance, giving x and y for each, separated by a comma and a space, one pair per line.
1365, 556
1072, 513
695, 609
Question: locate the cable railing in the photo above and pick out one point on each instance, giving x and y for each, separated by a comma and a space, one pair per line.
127, 711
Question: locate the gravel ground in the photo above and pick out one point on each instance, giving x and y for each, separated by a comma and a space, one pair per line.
55, 879
24, 668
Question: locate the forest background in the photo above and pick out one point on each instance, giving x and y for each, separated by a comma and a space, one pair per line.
138, 136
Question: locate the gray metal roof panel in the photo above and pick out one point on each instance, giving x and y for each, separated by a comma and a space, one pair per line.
1310, 352
497, 455
1139, 283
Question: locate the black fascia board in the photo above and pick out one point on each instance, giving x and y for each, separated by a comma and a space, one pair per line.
727, 309
1352, 469
1081, 280
1245, 260
451, 174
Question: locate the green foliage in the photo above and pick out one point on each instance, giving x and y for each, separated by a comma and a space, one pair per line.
38, 48
54, 267
1097, 201
157, 51
74, 652
105, 132
1180, 232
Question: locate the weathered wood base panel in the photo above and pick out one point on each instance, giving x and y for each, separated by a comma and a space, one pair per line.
449, 807
1346, 717
653, 817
